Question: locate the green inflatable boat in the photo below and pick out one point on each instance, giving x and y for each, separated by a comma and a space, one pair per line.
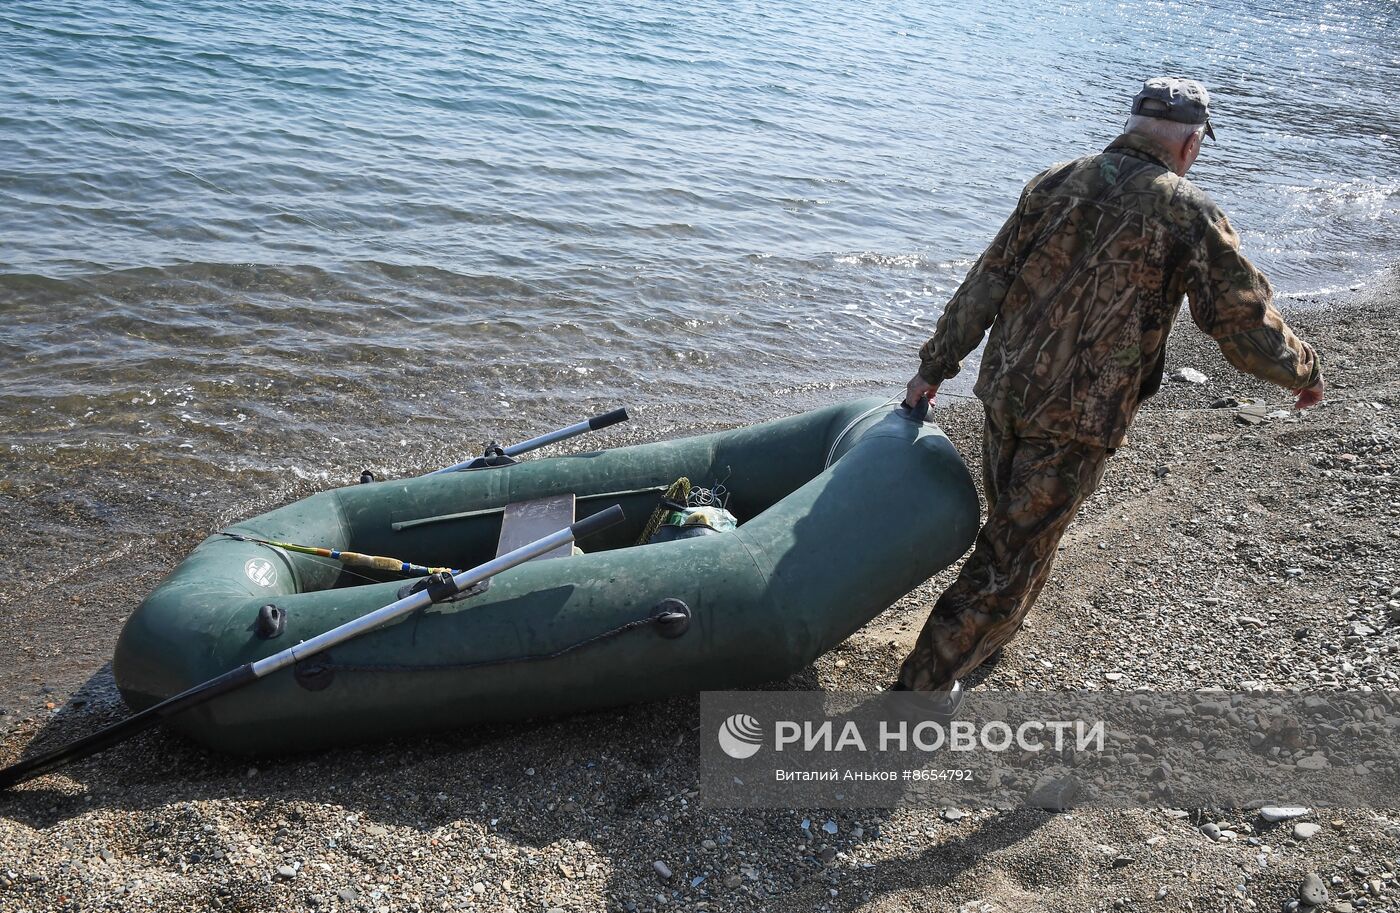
841, 511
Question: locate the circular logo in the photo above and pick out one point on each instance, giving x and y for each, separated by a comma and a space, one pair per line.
260, 571
740, 736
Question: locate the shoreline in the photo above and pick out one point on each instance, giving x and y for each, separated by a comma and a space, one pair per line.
1176, 575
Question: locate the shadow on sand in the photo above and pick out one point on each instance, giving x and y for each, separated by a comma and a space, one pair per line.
624, 781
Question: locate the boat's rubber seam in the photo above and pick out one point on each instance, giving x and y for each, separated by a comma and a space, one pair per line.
761, 562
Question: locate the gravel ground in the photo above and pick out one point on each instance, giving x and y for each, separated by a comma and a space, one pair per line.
1217, 553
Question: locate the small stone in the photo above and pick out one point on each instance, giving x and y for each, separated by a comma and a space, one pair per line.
1113, 676
1211, 830
1305, 829
1122, 861
479, 888
1251, 414
1314, 761
1275, 813
286, 871
830, 827
1189, 376
952, 814
708, 844
1162, 892
733, 881
1312, 891
348, 895
662, 869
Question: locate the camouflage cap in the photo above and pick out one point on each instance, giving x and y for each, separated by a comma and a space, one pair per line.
1185, 101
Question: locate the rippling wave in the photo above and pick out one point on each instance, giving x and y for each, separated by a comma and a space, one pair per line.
265, 241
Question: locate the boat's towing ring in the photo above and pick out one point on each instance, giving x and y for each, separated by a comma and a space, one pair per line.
672, 617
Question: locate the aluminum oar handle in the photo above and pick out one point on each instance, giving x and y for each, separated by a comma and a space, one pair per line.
251, 672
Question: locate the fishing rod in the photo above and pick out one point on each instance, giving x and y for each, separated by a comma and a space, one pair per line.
497, 455
354, 559
442, 587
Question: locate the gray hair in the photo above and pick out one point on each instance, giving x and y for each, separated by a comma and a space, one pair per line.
1169, 132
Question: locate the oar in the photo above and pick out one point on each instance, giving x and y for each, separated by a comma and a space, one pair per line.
355, 559
444, 586
502, 456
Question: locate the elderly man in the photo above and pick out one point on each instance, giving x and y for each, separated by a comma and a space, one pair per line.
1080, 288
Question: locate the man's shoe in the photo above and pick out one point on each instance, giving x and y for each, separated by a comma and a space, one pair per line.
930, 706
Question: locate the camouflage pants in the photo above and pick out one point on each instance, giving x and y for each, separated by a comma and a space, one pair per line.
1034, 487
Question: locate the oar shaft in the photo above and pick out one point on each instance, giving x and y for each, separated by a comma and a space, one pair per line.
544, 440
574, 430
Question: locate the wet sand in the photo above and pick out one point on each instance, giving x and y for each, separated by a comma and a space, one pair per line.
1216, 554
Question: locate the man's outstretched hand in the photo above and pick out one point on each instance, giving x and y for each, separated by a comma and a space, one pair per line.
918, 389
1308, 396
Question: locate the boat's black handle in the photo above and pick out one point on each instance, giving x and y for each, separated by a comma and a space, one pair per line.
596, 523
606, 419
917, 413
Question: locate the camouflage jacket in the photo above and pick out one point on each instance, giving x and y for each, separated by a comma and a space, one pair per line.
1080, 289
